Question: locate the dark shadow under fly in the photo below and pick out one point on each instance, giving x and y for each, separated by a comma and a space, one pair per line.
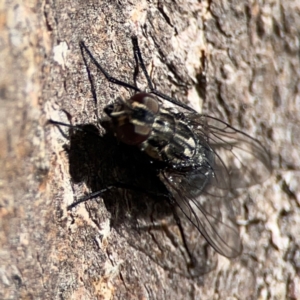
171, 171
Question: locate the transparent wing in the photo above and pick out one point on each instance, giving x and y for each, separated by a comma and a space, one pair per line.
212, 216
239, 161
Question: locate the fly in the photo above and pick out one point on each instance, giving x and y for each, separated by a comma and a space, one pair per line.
196, 159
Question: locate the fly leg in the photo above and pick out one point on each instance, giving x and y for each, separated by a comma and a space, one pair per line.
138, 53
111, 79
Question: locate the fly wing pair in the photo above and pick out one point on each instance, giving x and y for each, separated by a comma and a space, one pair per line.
240, 161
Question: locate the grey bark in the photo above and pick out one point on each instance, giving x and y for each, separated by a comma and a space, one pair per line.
250, 52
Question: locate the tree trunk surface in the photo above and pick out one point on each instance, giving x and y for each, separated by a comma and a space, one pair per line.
236, 60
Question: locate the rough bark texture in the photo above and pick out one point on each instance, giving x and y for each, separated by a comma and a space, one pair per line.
251, 53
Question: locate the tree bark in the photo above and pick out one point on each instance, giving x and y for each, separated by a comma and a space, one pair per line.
248, 54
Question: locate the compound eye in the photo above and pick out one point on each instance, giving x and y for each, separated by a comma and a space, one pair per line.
148, 100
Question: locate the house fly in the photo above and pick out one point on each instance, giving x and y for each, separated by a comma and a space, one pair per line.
195, 160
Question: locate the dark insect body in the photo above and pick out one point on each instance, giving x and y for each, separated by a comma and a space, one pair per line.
162, 134
189, 154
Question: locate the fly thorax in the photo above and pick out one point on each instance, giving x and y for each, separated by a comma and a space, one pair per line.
162, 133
171, 140
182, 149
